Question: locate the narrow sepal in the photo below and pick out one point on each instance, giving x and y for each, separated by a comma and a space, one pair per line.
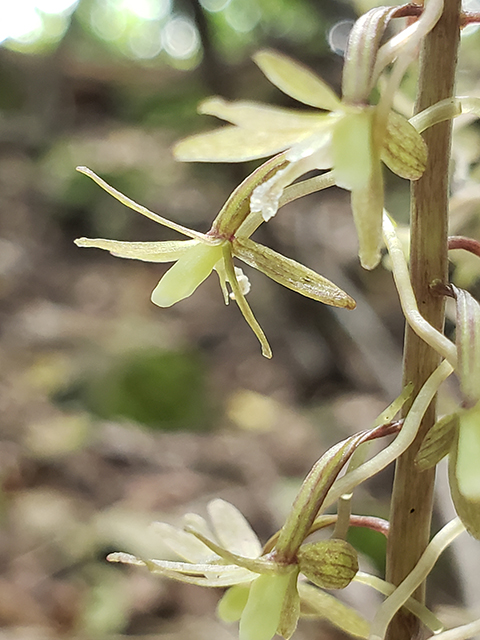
437, 443
320, 605
167, 251
313, 491
296, 80
203, 575
404, 150
243, 304
290, 610
291, 274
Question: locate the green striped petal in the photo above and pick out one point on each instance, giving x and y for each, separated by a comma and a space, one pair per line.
291, 274
404, 151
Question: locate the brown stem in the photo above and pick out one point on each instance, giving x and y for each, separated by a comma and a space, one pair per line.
412, 498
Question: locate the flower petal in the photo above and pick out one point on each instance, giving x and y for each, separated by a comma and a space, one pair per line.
468, 509
233, 144
147, 251
367, 209
184, 544
232, 529
296, 80
186, 275
352, 149
258, 116
290, 609
291, 274
468, 454
263, 610
318, 604
404, 150
231, 606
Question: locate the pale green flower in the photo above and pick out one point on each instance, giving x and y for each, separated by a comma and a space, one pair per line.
196, 258
264, 595
346, 139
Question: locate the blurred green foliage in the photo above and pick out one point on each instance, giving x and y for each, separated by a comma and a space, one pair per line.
159, 389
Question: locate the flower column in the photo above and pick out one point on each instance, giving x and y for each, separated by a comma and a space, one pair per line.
413, 490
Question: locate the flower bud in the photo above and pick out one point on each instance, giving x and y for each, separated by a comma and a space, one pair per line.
330, 564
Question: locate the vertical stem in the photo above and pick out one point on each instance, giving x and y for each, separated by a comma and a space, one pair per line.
412, 499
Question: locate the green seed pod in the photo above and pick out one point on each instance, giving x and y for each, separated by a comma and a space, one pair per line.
330, 564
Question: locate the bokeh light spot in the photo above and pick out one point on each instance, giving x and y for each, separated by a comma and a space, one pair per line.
180, 38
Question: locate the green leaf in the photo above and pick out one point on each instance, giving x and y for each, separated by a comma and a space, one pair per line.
257, 116
296, 80
233, 144
320, 605
168, 251
291, 274
437, 443
404, 151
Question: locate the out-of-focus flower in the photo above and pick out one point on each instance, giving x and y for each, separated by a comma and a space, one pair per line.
346, 139
197, 257
458, 434
264, 595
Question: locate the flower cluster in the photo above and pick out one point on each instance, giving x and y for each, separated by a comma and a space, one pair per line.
195, 259
343, 137
263, 594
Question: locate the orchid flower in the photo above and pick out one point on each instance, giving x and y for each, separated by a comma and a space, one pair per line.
343, 136
264, 595
197, 257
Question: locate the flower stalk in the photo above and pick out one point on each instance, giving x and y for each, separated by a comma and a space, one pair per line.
413, 489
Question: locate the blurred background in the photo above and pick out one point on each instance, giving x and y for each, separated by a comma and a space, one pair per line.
115, 413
